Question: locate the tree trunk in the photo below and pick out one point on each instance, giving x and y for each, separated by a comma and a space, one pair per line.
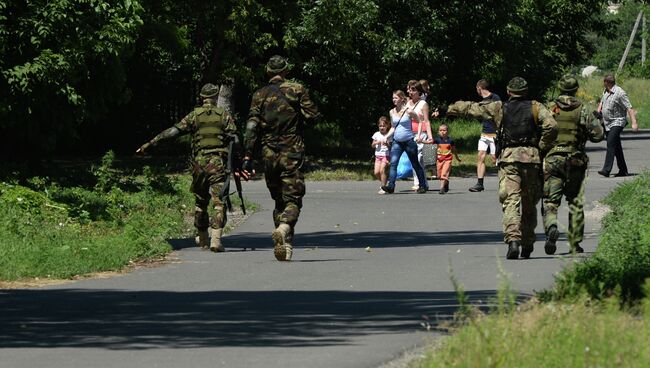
225, 99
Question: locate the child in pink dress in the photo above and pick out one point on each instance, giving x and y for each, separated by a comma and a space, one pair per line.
381, 144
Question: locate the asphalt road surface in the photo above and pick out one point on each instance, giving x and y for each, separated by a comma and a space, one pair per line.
368, 272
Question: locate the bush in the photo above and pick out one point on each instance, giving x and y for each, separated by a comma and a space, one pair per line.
622, 261
61, 232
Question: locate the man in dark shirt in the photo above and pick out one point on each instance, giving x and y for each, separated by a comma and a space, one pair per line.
488, 133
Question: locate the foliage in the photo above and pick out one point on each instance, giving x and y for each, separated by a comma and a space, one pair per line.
638, 90
52, 230
61, 66
79, 74
580, 334
612, 39
622, 260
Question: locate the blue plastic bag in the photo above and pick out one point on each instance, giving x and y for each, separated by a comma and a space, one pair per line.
404, 168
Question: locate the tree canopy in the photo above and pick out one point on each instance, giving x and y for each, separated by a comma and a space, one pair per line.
83, 76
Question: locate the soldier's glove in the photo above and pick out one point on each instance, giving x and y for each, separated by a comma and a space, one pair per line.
598, 115
143, 148
246, 170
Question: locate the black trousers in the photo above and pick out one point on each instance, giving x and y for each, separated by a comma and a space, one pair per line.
614, 149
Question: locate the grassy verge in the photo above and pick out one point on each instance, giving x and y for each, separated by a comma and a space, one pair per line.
597, 315
464, 132
50, 229
638, 90
554, 334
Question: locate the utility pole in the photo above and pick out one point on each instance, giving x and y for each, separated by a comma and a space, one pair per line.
643, 47
629, 42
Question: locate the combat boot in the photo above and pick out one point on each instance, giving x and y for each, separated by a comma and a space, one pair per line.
282, 250
551, 237
215, 241
478, 187
202, 239
513, 250
526, 250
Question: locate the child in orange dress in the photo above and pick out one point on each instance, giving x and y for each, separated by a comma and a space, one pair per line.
445, 152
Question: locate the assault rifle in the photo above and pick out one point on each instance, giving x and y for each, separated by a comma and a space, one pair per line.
225, 191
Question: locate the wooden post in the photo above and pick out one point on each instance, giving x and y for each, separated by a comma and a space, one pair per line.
643, 46
629, 42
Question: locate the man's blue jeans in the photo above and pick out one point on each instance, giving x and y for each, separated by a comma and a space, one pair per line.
411, 149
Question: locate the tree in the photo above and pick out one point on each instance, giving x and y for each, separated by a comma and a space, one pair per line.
61, 66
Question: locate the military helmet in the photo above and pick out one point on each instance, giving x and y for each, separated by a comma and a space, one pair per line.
276, 64
209, 90
517, 85
568, 83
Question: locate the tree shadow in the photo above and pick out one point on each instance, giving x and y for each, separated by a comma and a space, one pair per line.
122, 319
363, 239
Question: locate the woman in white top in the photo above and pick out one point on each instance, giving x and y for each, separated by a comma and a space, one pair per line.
423, 134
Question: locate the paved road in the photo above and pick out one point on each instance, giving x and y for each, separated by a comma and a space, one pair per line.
335, 305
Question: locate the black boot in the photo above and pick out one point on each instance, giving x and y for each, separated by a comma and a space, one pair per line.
551, 237
526, 250
513, 250
577, 249
478, 187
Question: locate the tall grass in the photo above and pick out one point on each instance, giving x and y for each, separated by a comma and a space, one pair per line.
48, 230
638, 90
550, 335
622, 260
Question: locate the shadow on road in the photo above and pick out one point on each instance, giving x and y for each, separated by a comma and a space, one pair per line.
121, 319
374, 239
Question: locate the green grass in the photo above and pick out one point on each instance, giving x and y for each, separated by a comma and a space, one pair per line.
555, 334
58, 231
638, 90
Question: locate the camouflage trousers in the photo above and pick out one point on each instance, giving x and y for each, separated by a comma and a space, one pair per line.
520, 188
565, 176
208, 177
286, 183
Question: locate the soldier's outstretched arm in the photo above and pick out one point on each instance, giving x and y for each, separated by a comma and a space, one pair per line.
165, 134
478, 110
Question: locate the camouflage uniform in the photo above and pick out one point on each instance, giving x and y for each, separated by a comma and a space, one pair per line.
566, 164
520, 182
211, 127
277, 119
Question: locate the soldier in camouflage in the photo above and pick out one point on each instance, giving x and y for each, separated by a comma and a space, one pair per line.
278, 115
565, 165
527, 131
212, 128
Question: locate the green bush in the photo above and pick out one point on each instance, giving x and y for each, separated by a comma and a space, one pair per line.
60, 232
622, 261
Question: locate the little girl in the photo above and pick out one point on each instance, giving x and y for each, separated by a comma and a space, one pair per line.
446, 149
381, 143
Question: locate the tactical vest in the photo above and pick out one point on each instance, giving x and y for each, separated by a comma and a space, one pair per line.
208, 137
567, 123
519, 126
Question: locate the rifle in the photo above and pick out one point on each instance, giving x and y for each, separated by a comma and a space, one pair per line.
225, 191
